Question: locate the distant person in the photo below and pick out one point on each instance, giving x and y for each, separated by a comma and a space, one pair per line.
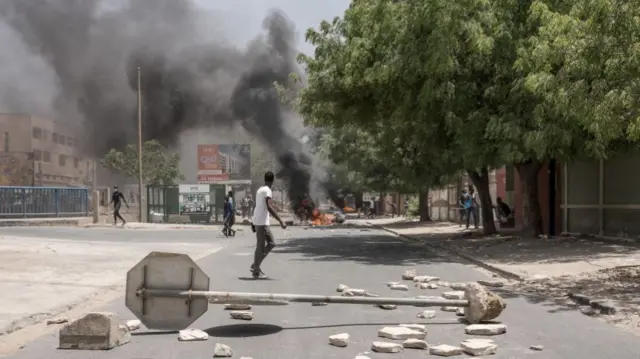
461, 203
504, 211
260, 224
372, 207
116, 197
229, 216
471, 206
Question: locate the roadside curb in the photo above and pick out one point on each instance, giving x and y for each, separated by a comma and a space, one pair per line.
598, 238
604, 306
459, 253
40, 223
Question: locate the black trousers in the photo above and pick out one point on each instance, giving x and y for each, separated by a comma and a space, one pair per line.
116, 213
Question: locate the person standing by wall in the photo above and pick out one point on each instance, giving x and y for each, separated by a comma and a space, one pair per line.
472, 207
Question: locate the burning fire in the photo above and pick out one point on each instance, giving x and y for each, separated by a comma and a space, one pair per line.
321, 219
348, 209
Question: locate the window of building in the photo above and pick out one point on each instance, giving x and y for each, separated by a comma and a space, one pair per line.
62, 160
76, 162
71, 142
46, 156
37, 132
54, 137
37, 155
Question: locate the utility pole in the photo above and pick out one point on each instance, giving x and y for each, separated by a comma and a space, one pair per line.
141, 201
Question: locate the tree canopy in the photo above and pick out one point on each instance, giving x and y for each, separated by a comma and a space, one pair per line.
439, 86
159, 166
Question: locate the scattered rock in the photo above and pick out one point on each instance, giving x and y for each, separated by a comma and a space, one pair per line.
453, 295
478, 347
483, 304
400, 333
604, 306
361, 357
458, 286
341, 288
60, 320
237, 306
449, 309
538, 348
427, 314
418, 327
339, 340
588, 311
246, 358
391, 284
222, 351
386, 347
445, 350
387, 306
191, 335
444, 283
415, 344
491, 283
241, 315
460, 312
369, 294
425, 279
486, 329
319, 304
427, 286
399, 287
133, 324
94, 331
409, 275
351, 292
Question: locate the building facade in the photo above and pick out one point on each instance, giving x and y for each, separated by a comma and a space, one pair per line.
45, 149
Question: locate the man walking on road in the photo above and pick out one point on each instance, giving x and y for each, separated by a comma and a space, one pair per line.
472, 207
260, 224
116, 197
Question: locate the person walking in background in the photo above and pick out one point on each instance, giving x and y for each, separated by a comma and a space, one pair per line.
116, 197
463, 207
471, 203
229, 216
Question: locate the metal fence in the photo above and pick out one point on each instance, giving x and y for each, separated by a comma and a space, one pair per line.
39, 202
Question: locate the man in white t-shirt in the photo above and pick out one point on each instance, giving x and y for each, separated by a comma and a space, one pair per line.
260, 224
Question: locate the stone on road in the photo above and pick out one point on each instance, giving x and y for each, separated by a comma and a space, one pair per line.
339, 340
415, 344
399, 287
418, 327
409, 275
222, 351
486, 329
192, 335
386, 347
483, 305
341, 288
400, 333
94, 331
237, 306
478, 347
427, 314
241, 315
133, 324
445, 350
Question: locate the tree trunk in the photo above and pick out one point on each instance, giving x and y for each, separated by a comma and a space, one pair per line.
481, 183
531, 210
423, 205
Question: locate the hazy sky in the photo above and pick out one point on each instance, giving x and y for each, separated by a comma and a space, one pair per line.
242, 19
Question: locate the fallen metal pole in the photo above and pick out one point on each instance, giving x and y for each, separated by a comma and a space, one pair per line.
234, 297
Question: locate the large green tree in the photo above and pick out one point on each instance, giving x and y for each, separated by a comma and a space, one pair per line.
159, 165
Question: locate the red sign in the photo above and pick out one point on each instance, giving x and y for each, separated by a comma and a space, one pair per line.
209, 179
208, 159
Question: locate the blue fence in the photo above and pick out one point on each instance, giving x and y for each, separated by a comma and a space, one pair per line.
30, 202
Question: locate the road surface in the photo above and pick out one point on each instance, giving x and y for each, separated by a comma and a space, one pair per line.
315, 261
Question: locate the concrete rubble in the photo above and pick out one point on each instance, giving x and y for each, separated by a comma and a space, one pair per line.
351, 292
425, 279
478, 347
445, 350
491, 283
237, 306
538, 348
339, 340
399, 287
400, 333
409, 275
443, 283
319, 304
192, 335
418, 327
371, 295
449, 309
94, 331
486, 329
460, 312
222, 351
133, 324
453, 295
483, 304
391, 284
415, 344
427, 285
60, 320
386, 347
341, 288
458, 286
241, 315
387, 306
427, 314
361, 357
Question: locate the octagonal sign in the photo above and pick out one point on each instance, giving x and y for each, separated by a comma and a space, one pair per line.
172, 271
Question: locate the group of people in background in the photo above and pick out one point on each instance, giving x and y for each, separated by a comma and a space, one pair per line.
469, 208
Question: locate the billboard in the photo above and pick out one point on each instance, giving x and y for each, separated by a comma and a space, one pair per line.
224, 163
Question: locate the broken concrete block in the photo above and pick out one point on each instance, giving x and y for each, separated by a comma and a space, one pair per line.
427, 286
409, 275
94, 331
491, 283
222, 351
538, 348
415, 344
351, 292
486, 329
241, 315
458, 286
386, 347
371, 295
418, 327
478, 347
483, 304
60, 320
341, 288
390, 284
425, 279
387, 306
427, 314
460, 312
399, 287
454, 295
133, 324
449, 309
192, 335
339, 340
443, 283
445, 350
361, 357
319, 304
400, 333
237, 306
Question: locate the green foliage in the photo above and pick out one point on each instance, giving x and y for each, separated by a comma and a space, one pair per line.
158, 166
413, 207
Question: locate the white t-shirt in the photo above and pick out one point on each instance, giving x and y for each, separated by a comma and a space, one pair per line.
261, 215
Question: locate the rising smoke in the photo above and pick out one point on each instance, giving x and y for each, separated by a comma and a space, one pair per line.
190, 79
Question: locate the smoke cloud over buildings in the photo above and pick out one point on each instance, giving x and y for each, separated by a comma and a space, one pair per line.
76, 61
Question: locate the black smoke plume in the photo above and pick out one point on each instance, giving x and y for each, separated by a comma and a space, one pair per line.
190, 78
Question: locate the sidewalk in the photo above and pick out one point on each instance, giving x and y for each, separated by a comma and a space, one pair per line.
551, 267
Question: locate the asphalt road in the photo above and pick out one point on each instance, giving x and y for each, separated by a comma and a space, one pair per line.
315, 261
